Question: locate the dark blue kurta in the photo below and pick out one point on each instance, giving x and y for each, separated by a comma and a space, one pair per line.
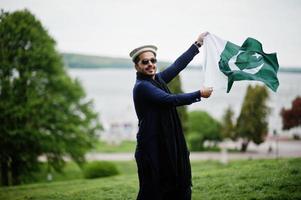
161, 153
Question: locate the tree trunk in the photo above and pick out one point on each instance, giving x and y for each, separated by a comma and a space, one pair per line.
15, 172
244, 145
4, 173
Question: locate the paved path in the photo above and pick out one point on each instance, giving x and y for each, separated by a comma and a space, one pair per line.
282, 149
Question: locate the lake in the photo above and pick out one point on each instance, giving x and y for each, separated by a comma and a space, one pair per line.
111, 90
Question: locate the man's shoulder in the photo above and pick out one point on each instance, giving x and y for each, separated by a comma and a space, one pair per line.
141, 84
139, 88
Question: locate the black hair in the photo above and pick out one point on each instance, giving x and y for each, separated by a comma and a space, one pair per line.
136, 60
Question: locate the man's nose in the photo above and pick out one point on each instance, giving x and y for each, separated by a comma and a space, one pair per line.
150, 64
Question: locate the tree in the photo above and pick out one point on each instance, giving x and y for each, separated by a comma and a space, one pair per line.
202, 127
228, 126
291, 117
43, 112
252, 122
175, 87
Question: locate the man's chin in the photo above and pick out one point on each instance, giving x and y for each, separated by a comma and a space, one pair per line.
151, 73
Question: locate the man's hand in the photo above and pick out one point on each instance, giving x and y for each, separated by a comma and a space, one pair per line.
201, 37
206, 92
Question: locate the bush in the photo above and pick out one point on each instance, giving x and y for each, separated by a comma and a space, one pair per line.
296, 137
195, 141
202, 127
98, 169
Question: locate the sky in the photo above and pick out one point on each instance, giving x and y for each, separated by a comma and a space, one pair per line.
115, 27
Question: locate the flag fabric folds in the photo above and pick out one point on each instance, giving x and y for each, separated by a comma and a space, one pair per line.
225, 62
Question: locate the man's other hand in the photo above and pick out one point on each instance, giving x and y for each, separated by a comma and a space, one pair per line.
206, 92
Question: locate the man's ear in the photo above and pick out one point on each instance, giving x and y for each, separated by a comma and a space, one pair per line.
136, 67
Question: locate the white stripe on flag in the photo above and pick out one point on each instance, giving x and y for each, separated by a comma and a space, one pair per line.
213, 48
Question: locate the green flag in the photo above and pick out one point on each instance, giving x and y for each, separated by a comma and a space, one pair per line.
236, 63
249, 62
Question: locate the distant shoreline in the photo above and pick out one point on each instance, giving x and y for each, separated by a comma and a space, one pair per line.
80, 61
281, 70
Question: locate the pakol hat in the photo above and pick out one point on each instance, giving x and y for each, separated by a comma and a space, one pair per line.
136, 52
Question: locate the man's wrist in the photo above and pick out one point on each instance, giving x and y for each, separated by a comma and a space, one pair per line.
198, 44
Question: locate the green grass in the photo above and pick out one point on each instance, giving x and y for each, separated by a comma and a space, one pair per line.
125, 146
72, 171
256, 179
129, 147
249, 179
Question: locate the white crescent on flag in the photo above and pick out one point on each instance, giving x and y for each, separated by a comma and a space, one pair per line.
233, 66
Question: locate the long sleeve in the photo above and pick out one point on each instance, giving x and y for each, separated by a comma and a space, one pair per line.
148, 92
175, 68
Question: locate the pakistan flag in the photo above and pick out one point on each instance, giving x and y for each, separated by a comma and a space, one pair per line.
236, 63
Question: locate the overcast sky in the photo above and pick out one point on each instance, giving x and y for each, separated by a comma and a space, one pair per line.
114, 27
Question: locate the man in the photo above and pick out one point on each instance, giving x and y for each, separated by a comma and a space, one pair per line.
161, 153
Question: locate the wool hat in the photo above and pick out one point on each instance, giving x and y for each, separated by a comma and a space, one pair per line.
136, 52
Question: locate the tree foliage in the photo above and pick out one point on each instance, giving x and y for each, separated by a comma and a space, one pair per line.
291, 117
228, 124
202, 127
252, 122
43, 112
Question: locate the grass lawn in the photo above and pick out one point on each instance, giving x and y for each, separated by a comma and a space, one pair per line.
249, 179
125, 146
129, 146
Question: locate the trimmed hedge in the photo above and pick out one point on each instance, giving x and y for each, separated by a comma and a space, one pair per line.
97, 169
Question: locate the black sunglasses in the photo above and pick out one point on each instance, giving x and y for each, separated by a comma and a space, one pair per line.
146, 61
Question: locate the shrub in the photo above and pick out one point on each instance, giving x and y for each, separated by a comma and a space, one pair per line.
202, 127
195, 141
98, 169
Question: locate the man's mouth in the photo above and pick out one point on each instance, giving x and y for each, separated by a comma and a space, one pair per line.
150, 69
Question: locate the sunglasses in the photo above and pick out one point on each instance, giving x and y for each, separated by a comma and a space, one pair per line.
146, 61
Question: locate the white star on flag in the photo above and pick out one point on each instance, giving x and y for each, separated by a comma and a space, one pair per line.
256, 55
